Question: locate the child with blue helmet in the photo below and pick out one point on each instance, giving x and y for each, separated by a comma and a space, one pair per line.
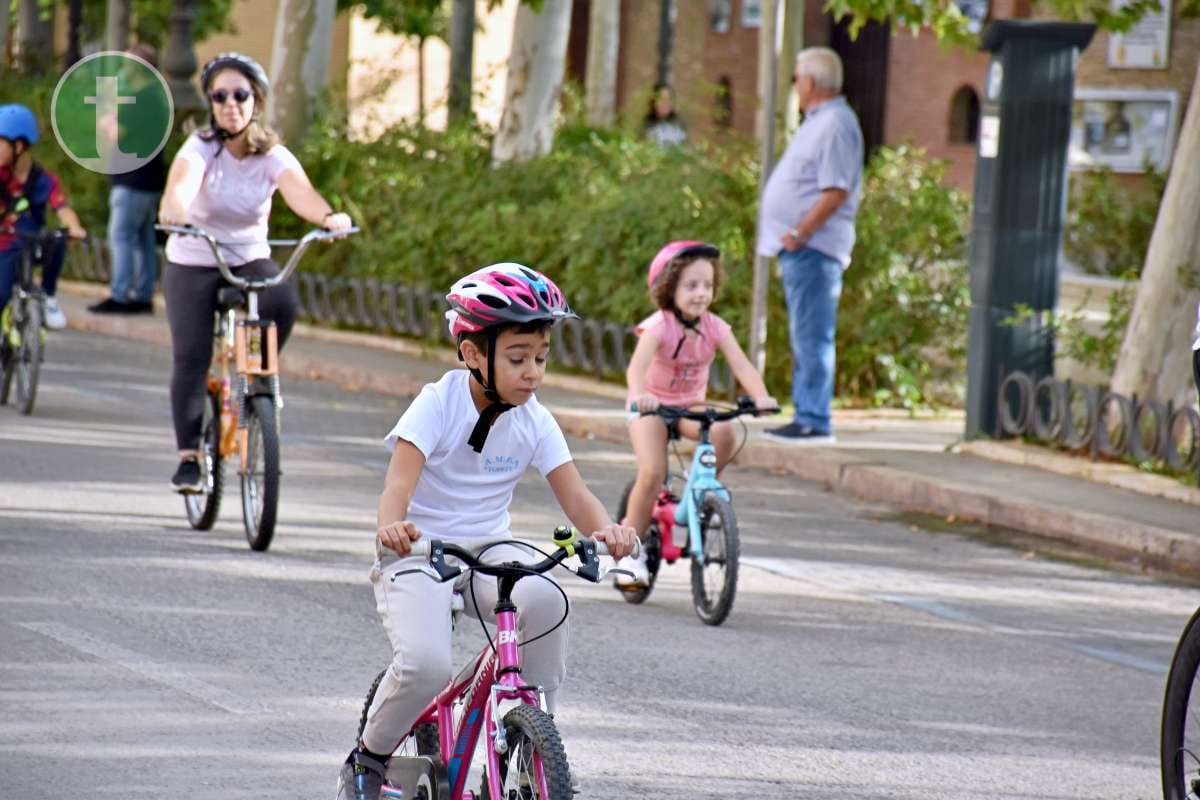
27, 190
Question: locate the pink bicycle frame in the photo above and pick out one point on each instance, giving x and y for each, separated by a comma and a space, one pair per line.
482, 692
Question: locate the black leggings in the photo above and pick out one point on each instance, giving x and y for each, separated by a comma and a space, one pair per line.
191, 295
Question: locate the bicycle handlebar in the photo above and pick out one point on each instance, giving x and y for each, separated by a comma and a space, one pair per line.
568, 539
745, 405
300, 245
44, 235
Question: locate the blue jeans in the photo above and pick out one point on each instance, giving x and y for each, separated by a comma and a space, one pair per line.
131, 218
10, 267
812, 284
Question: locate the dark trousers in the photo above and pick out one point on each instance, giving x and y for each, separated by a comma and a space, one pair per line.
191, 295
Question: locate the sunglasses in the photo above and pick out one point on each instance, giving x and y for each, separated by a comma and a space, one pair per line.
239, 95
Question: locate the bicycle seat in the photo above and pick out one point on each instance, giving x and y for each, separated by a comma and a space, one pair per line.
230, 297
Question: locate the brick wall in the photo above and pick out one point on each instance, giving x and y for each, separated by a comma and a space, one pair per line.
922, 81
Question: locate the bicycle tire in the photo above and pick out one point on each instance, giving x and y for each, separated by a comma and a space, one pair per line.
713, 590
260, 488
10, 367
1178, 755
426, 734
28, 357
532, 736
652, 542
202, 509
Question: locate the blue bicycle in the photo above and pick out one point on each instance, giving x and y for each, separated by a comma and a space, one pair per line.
704, 509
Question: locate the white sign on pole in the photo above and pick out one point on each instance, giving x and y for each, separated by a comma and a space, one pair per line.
1146, 45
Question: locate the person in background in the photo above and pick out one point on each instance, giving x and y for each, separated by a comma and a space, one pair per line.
662, 123
806, 219
133, 199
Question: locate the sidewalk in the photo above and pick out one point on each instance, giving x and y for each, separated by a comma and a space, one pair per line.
918, 464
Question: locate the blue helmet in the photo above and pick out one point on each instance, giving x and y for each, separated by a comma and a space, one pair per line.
18, 122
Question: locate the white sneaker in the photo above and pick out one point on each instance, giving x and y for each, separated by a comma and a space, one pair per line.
53, 318
637, 566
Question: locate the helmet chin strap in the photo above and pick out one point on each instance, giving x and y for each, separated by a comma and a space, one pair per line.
688, 325
496, 406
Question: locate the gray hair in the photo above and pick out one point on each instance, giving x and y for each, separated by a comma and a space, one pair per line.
823, 65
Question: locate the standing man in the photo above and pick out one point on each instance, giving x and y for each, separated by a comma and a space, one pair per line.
132, 211
806, 218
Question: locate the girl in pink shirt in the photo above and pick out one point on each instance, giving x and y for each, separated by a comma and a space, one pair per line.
676, 346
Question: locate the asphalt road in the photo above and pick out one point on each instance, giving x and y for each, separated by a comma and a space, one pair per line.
869, 653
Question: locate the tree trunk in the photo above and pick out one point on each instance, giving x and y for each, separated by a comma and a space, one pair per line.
421, 81
1155, 358
4, 29
462, 56
74, 33
116, 24
604, 35
35, 36
299, 64
535, 77
179, 63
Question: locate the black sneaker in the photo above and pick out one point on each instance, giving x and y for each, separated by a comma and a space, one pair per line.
110, 306
795, 433
187, 477
361, 777
140, 307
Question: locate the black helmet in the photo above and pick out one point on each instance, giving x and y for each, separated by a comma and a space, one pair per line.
243, 64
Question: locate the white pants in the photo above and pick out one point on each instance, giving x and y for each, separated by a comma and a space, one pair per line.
415, 611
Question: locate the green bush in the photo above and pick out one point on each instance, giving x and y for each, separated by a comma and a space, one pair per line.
1109, 222
903, 316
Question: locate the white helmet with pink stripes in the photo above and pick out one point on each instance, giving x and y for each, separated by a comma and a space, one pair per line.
503, 293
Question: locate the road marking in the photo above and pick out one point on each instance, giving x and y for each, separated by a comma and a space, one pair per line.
138, 664
1124, 659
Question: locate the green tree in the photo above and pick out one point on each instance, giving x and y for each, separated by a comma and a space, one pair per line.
420, 20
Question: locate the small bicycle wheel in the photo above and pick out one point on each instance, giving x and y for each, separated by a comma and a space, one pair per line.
28, 357
202, 508
714, 579
652, 543
535, 765
1180, 754
260, 480
424, 737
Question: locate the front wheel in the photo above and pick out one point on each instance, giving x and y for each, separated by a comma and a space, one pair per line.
652, 542
28, 357
202, 508
260, 476
714, 578
535, 765
1180, 755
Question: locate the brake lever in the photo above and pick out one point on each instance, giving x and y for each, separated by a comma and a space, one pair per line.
589, 562
437, 560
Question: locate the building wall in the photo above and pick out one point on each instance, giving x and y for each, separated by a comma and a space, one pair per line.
922, 81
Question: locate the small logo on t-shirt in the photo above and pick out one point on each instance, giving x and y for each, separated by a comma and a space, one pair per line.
500, 463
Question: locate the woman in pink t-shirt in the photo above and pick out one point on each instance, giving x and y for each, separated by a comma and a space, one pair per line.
676, 346
223, 179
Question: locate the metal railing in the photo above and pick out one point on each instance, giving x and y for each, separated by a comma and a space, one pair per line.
598, 347
1101, 422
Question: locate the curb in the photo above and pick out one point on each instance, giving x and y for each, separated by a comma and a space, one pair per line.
835, 469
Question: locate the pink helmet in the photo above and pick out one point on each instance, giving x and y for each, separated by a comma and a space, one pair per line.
502, 293
684, 247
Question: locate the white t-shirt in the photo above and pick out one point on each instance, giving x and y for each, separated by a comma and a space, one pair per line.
233, 204
461, 493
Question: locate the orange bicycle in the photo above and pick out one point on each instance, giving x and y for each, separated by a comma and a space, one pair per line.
242, 411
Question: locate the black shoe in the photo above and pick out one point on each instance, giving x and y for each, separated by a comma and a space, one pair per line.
361, 777
111, 306
187, 477
141, 307
795, 433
